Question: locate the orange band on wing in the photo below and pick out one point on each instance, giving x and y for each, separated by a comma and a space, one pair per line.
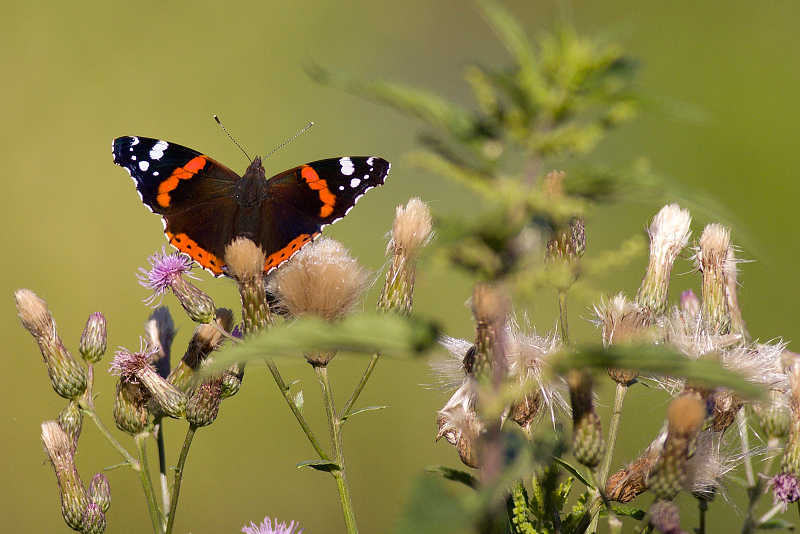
181, 173
318, 184
286, 252
187, 245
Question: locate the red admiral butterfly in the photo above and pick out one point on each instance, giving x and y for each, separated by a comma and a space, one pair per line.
205, 205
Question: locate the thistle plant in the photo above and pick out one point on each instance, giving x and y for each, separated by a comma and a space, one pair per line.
523, 416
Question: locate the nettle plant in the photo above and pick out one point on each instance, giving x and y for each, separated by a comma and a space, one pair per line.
522, 417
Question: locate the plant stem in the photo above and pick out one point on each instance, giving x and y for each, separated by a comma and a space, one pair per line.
162, 466
613, 428
176, 488
156, 515
363, 382
295, 410
562, 317
334, 427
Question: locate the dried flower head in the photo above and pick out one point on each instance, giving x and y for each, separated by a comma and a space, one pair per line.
411, 231
322, 279
715, 261
669, 233
74, 499
460, 425
67, 377
623, 322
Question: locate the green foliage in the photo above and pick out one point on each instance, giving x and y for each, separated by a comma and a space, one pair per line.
555, 102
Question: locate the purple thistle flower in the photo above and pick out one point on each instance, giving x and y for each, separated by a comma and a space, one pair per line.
166, 269
266, 527
128, 365
785, 489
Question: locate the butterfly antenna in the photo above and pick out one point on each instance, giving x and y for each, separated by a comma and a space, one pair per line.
231, 137
310, 124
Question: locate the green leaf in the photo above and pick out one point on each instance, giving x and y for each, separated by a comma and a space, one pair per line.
367, 409
628, 511
455, 475
390, 335
320, 465
574, 472
776, 524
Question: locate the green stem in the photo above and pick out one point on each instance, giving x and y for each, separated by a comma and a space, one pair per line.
703, 506
334, 427
367, 373
562, 322
176, 488
613, 428
147, 483
295, 410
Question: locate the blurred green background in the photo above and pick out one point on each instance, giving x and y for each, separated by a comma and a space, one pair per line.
78, 74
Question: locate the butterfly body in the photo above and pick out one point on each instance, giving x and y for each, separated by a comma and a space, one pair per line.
205, 205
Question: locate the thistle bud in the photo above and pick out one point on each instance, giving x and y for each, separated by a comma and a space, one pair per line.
74, 500
100, 492
130, 407
588, 446
203, 405
669, 233
246, 262
71, 422
67, 377
411, 232
666, 517
685, 416
490, 308
135, 365
93, 340
94, 520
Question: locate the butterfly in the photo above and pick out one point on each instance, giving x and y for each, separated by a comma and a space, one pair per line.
205, 205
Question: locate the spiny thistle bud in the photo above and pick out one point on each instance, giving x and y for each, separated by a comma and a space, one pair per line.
669, 233
94, 520
100, 492
685, 416
73, 495
167, 274
322, 280
623, 322
71, 421
203, 405
714, 260
159, 332
490, 308
93, 340
666, 517
136, 366
206, 339
130, 406
588, 446
690, 306
67, 377
774, 416
411, 232
232, 380
246, 263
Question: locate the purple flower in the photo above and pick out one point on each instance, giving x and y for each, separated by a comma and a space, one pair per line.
166, 269
785, 489
266, 527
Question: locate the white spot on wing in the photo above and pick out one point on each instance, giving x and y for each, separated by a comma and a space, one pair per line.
158, 150
144, 165
134, 141
354, 182
347, 166
370, 160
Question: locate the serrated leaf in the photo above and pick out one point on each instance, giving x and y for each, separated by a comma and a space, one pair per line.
320, 465
367, 409
391, 335
562, 493
455, 475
